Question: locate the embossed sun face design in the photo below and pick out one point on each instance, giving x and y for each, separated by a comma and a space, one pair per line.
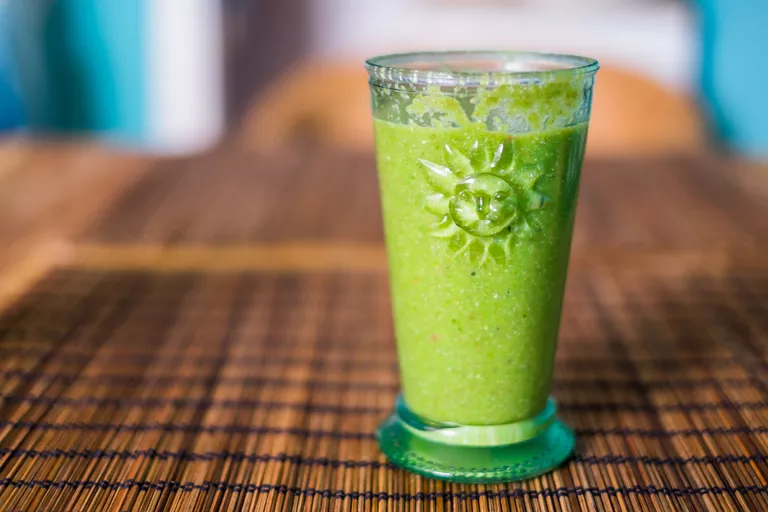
484, 200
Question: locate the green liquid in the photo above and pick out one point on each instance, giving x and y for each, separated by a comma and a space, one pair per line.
478, 226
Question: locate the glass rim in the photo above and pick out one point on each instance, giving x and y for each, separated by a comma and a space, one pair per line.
393, 69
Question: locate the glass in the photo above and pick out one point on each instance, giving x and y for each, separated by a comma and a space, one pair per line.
479, 156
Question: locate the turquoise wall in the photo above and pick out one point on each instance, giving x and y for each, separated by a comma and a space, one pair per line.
92, 66
734, 72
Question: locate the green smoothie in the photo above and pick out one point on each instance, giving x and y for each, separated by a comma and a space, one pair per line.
478, 223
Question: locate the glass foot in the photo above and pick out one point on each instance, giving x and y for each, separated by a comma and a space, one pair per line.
476, 454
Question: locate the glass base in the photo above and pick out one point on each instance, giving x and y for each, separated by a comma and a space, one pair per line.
475, 454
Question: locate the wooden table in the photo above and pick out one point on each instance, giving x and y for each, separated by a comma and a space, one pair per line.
214, 333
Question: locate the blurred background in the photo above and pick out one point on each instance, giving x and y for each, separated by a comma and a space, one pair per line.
165, 123
191, 242
177, 76
171, 122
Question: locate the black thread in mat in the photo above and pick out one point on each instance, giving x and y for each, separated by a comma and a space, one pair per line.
213, 360
185, 403
209, 486
344, 434
189, 456
205, 308
183, 427
158, 380
341, 360
239, 303
347, 409
675, 308
144, 345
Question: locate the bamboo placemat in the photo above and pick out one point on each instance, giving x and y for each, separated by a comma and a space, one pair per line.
221, 340
251, 390
231, 197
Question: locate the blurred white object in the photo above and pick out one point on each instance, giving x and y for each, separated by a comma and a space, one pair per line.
185, 95
656, 39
